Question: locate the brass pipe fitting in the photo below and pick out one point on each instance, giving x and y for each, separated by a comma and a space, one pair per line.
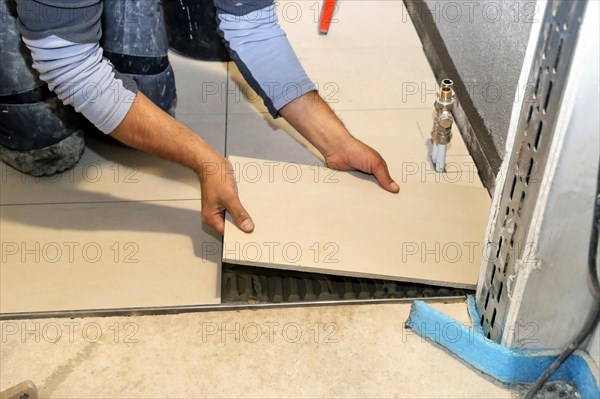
441, 134
443, 121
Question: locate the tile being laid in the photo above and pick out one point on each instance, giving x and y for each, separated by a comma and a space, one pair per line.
60, 257
318, 220
110, 172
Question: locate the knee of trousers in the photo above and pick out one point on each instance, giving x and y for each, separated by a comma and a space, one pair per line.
31, 117
135, 42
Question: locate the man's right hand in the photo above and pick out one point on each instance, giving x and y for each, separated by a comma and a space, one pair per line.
219, 193
148, 128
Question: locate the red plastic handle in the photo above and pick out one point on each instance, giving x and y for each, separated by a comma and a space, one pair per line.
326, 15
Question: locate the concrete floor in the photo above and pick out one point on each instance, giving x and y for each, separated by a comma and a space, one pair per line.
359, 351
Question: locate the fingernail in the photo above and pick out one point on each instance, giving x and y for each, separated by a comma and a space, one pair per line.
394, 186
247, 225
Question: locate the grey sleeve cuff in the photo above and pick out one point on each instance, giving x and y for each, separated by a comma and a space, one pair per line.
241, 7
63, 36
81, 77
265, 57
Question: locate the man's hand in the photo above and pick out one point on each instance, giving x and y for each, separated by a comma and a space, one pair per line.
356, 155
219, 193
316, 121
148, 128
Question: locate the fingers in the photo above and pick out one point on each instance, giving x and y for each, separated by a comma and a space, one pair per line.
214, 219
382, 174
214, 216
239, 214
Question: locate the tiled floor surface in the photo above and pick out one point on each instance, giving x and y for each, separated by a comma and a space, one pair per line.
125, 213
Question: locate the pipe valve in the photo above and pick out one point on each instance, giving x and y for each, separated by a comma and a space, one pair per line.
441, 135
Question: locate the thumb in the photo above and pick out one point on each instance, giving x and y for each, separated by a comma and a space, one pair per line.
382, 174
239, 215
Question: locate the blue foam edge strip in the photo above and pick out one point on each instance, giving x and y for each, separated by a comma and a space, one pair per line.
509, 366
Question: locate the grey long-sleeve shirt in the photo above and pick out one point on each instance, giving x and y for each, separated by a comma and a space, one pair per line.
64, 36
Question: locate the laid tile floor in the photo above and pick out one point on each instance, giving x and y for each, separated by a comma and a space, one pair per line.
118, 197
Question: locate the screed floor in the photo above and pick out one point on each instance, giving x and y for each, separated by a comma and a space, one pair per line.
120, 196
343, 352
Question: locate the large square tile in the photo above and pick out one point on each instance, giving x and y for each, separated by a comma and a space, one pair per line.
354, 79
355, 24
110, 171
106, 256
201, 85
258, 135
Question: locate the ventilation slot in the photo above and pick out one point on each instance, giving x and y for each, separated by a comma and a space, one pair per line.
538, 137
548, 39
500, 244
548, 93
521, 202
514, 184
529, 171
500, 291
530, 114
512, 236
537, 87
558, 54
506, 262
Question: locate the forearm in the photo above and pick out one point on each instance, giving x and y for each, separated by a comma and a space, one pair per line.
150, 129
322, 128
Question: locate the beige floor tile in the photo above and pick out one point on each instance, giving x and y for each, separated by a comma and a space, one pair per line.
396, 134
200, 85
101, 256
110, 171
390, 50
357, 352
356, 24
355, 79
403, 139
257, 135
319, 220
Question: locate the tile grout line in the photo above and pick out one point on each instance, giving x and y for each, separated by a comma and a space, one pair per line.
101, 202
345, 110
